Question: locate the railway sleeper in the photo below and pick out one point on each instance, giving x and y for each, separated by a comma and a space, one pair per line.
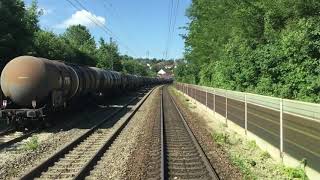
189, 169
189, 175
187, 164
181, 155
185, 160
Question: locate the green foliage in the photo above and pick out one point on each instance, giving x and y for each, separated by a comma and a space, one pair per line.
186, 73
244, 166
17, 28
293, 173
221, 138
79, 38
104, 56
51, 46
134, 67
265, 155
265, 46
252, 144
32, 144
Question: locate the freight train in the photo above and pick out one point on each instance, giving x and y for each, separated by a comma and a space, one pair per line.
34, 87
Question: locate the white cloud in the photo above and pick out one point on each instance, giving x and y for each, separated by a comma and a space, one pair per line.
82, 17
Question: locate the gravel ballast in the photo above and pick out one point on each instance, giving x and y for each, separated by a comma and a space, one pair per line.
18, 158
117, 161
218, 157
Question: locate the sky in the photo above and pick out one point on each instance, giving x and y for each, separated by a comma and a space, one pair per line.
140, 27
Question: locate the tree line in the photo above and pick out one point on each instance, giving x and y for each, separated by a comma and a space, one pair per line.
269, 47
20, 34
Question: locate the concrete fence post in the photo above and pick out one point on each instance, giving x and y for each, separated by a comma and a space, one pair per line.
194, 95
245, 114
187, 89
206, 99
196, 90
214, 102
226, 97
281, 127
182, 88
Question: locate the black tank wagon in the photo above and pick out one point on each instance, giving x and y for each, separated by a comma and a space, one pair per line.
34, 87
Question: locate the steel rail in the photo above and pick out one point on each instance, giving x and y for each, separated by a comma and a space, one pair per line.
162, 171
36, 171
7, 131
17, 139
89, 165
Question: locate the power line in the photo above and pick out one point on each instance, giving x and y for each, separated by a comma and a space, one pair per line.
172, 23
114, 14
112, 8
99, 24
170, 12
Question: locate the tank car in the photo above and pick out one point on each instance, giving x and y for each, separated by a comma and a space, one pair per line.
34, 87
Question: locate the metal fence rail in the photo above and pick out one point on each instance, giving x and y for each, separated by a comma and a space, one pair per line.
291, 126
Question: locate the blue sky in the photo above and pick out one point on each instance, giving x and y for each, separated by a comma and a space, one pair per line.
139, 25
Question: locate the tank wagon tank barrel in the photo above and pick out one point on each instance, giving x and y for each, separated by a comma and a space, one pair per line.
32, 85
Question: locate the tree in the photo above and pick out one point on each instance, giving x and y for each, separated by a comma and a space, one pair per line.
17, 28
134, 67
80, 39
115, 56
104, 57
265, 46
51, 46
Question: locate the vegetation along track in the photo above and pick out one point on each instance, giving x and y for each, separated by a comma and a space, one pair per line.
76, 159
181, 155
11, 136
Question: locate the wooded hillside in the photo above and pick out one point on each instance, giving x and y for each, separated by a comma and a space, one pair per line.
269, 47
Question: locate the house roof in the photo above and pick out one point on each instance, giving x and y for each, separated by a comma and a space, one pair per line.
161, 71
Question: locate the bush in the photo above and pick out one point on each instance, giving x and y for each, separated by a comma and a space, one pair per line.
32, 144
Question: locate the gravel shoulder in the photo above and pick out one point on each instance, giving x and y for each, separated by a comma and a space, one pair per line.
138, 162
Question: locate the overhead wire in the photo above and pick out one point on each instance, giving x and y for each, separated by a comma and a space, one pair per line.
173, 12
99, 24
174, 24
113, 11
170, 12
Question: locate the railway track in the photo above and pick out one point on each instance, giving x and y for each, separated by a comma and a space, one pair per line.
75, 160
181, 155
10, 136
6, 131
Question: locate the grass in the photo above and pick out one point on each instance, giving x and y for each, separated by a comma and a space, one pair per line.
221, 138
252, 144
32, 144
264, 155
293, 173
244, 165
